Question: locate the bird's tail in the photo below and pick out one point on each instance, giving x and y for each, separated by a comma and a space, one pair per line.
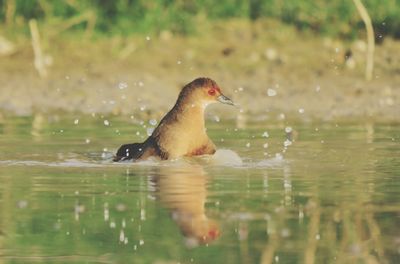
132, 151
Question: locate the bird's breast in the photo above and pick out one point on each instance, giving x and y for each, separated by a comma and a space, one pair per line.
183, 142
186, 136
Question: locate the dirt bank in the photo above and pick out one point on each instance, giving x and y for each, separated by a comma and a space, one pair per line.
269, 69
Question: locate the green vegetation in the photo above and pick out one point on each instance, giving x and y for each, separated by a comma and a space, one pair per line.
337, 18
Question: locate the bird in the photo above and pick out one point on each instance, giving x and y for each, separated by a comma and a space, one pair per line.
181, 132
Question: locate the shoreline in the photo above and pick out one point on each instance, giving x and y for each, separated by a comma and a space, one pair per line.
264, 70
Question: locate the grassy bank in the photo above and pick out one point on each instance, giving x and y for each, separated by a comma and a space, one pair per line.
333, 18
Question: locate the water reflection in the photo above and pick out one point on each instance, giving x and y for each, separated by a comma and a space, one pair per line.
332, 197
183, 190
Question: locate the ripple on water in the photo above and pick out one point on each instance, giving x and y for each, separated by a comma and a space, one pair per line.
66, 163
222, 157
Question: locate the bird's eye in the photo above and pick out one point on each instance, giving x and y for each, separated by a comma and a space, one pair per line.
211, 92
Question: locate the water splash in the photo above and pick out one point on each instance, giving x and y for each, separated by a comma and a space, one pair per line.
226, 157
222, 157
277, 161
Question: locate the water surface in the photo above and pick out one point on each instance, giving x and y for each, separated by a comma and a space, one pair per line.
300, 193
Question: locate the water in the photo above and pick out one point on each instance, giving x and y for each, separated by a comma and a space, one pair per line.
332, 195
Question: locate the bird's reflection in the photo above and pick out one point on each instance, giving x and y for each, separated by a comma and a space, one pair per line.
182, 189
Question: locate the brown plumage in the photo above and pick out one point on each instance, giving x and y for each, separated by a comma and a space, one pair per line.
182, 131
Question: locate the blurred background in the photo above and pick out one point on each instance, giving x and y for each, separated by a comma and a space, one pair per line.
108, 18
115, 56
308, 170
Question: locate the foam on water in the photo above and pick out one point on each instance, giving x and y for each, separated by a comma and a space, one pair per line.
226, 157
229, 158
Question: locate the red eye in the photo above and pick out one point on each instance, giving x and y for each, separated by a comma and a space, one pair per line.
211, 92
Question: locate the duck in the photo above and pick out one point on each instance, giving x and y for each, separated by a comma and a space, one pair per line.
181, 132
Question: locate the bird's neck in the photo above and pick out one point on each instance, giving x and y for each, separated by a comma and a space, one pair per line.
192, 114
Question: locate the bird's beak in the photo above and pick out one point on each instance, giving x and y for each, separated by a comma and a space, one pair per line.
225, 100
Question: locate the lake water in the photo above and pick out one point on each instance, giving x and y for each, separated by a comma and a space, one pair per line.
280, 192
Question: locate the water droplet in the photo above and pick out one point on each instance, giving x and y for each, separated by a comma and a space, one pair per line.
106, 212
287, 143
79, 208
301, 214
122, 85
271, 92
142, 214
76, 121
149, 131
121, 236
106, 123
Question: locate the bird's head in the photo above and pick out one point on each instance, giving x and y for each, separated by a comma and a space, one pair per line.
203, 91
